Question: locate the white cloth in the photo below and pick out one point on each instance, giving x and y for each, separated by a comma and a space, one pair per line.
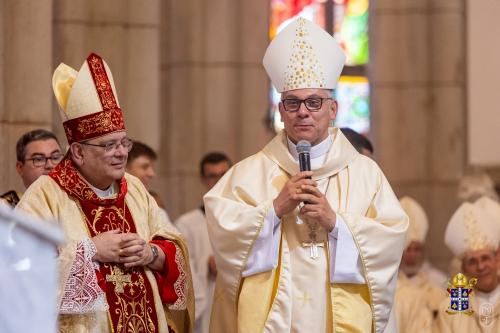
107, 193
193, 226
82, 293
28, 288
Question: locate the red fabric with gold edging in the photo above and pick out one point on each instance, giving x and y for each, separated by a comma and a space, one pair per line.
167, 277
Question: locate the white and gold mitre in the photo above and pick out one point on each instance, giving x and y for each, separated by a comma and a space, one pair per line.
87, 100
474, 226
419, 224
302, 56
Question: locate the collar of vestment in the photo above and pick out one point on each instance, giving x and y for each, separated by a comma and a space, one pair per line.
339, 156
316, 151
107, 193
68, 178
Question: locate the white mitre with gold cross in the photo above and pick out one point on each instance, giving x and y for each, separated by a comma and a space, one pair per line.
419, 224
474, 226
302, 56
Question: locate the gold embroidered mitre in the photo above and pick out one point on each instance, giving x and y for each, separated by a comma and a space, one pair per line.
302, 56
474, 226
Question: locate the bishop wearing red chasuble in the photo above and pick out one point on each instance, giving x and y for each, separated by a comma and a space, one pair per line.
123, 267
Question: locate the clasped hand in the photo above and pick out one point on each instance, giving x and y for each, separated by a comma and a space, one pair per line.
128, 249
299, 189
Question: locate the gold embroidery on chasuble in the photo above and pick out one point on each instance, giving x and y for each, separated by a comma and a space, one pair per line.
128, 291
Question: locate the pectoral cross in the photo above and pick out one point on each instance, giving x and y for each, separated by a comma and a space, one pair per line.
313, 244
313, 248
119, 279
305, 299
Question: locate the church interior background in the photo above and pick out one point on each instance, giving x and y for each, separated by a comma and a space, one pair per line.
190, 80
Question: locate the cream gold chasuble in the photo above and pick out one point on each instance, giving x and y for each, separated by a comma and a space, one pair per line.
297, 296
432, 295
412, 313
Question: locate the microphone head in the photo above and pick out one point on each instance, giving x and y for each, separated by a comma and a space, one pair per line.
303, 146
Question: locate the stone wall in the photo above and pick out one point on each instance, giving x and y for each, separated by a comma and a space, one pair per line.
25, 72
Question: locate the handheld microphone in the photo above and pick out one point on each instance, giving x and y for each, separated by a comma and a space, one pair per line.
303, 148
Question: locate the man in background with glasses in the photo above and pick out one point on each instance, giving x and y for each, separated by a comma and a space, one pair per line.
312, 251
123, 264
37, 152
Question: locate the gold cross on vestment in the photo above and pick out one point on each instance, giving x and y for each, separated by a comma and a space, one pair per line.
305, 299
119, 279
313, 248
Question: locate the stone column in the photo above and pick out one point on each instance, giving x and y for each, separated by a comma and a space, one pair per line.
25, 72
126, 34
417, 75
214, 89
447, 122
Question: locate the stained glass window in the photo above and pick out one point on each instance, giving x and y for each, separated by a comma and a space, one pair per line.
348, 21
350, 24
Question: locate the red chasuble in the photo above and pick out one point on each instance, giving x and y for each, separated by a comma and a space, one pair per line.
128, 291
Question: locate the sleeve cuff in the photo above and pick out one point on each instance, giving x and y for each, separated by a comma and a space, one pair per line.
265, 250
345, 262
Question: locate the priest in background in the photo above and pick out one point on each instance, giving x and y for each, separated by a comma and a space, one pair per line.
193, 226
123, 267
415, 272
473, 235
312, 251
140, 163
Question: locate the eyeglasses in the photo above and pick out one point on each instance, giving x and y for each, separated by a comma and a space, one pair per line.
112, 146
41, 161
312, 104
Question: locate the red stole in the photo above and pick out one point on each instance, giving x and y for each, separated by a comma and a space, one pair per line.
128, 291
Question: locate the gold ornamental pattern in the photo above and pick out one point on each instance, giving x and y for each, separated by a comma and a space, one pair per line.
94, 125
132, 311
112, 220
304, 68
101, 82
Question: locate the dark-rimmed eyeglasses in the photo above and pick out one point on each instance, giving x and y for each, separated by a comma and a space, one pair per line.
112, 146
312, 104
41, 160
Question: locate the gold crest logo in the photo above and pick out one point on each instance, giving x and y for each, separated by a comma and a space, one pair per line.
460, 290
